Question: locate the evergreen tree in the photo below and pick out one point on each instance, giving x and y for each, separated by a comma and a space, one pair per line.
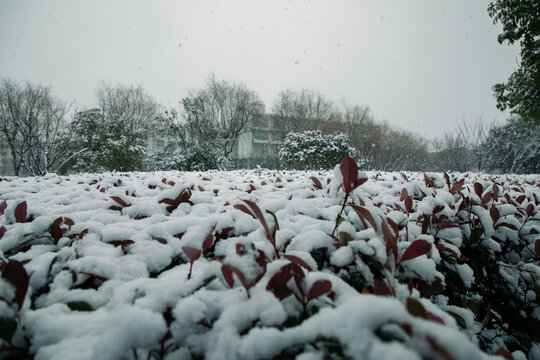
521, 23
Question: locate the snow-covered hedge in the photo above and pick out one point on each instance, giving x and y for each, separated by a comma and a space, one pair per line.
271, 264
313, 150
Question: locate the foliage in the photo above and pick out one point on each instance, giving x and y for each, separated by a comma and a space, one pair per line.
431, 265
32, 122
521, 23
183, 151
513, 147
220, 113
313, 150
105, 143
195, 157
127, 105
305, 110
379, 145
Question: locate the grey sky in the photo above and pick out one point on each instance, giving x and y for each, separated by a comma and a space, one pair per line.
421, 65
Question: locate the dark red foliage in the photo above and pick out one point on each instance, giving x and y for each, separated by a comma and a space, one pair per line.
318, 289
316, 183
417, 248
14, 273
20, 212
297, 261
193, 254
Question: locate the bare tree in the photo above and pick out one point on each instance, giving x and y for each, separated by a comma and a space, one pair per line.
221, 112
306, 110
474, 136
32, 121
128, 105
452, 153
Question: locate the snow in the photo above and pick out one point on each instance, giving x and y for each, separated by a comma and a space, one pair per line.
128, 266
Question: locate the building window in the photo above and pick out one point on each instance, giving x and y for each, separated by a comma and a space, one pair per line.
275, 149
260, 134
260, 148
261, 121
279, 136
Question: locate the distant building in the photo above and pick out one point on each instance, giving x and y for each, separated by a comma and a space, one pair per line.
260, 144
6, 161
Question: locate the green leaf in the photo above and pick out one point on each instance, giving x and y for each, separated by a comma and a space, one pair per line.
416, 308
79, 306
476, 234
7, 329
206, 282
459, 319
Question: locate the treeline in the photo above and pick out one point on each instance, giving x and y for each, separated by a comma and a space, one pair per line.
45, 134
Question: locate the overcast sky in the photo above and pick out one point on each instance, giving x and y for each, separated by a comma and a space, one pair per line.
420, 65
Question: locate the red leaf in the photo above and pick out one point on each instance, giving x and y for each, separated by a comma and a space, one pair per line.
510, 226
159, 239
380, 288
192, 253
55, 230
495, 190
316, 182
226, 270
319, 288
261, 218
297, 261
3, 207
447, 179
417, 248
530, 209
520, 199
390, 240
504, 353
428, 181
431, 316
185, 195
408, 204
15, 273
441, 247
278, 283
244, 209
487, 198
404, 194
494, 214
208, 241
349, 171
458, 186
437, 347
20, 212
478, 189
83, 233
2, 231
123, 244
536, 247
298, 275
166, 201
240, 249
429, 290
360, 181
120, 201
364, 213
